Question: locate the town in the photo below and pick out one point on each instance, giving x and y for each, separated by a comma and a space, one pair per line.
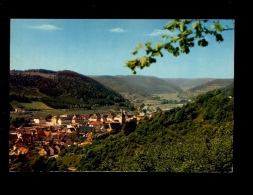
52, 135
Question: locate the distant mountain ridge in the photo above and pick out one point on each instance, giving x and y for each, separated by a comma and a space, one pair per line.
120, 85
214, 84
188, 83
151, 84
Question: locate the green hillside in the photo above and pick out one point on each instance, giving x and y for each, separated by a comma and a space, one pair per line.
151, 84
195, 138
212, 85
120, 85
185, 83
61, 89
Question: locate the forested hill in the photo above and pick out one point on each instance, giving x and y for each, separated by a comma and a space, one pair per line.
212, 85
61, 89
195, 138
120, 85
151, 84
188, 83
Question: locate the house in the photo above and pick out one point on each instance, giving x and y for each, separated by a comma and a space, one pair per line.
79, 119
51, 151
64, 120
40, 120
112, 126
66, 116
103, 117
82, 130
110, 117
47, 133
23, 151
96, 124
95, 117
42, 152
54, 120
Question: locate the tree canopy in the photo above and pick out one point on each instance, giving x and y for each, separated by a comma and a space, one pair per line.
188, 32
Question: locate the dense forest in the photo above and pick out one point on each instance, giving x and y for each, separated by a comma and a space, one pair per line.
61, 89
197, 137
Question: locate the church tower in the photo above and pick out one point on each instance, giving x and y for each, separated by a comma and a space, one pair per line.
123, 117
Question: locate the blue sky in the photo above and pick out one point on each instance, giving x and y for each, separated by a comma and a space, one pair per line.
102, 47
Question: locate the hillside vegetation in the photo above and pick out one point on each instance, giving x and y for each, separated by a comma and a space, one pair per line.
195, 138
121, 86
61, 89
209, 86
151, 84
186, 84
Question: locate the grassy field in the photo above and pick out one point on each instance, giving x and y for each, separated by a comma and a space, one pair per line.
37, 109
44, 110
170, 96
36, 105
153, 104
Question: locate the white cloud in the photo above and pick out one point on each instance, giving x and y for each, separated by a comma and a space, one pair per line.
117, 30
46, 27
158, 32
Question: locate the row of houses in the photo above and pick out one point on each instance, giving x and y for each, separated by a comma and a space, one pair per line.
67, 119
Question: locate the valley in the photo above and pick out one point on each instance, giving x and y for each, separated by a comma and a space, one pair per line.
71, 122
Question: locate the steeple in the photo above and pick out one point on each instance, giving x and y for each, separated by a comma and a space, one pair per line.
123, 117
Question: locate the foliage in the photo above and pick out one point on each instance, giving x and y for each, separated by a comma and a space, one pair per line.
129, 127
20, 121
35, 163
179, 140
189, 33
64, 90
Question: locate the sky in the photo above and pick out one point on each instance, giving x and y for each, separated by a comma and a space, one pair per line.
102, 47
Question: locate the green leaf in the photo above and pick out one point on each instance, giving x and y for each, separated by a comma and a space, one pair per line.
176, 51
181, 26
161, 54
148, 44
202, 43
157, 53
188, 21
218, 27
143, 61
191, 44
170, 24
187, 32
152, 60
164, 37
194, 25
158, 47
219, 38
134, 52
139, 46
174, 39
